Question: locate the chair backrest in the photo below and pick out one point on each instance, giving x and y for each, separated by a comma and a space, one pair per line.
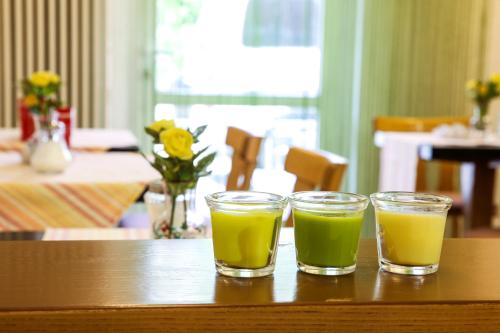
415, 124
430, 123
315, 170
335, 172
246, 149
447, 170
397, 124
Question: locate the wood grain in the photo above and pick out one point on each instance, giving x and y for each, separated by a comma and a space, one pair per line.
482, 317
130, 286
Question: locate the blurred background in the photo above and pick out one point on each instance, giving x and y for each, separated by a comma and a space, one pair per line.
307, 73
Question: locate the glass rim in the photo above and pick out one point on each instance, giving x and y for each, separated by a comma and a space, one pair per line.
328, 200
411, 199
248, 199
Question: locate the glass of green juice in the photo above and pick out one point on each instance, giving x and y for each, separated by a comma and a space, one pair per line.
410, 230
327, 226
245, 231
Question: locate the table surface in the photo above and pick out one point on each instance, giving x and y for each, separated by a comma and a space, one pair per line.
82, 139
85, 168
429, 138
103, 274
172, 286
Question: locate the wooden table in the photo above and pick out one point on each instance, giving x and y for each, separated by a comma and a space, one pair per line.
477, 177
167, 286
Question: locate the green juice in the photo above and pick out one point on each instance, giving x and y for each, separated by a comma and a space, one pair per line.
327, 239
244, 239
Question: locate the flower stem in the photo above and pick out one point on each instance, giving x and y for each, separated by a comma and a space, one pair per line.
172, 215
184, 224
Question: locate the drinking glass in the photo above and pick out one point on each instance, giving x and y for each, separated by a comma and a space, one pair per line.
245, 231
327, 227
410, 229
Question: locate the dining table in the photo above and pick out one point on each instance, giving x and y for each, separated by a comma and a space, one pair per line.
94, 191
478, 158
82, 139
172, 286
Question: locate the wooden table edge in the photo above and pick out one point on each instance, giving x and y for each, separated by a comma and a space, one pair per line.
341, 317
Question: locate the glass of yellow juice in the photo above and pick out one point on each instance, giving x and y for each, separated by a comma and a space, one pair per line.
245, 231
327, 226
410, 230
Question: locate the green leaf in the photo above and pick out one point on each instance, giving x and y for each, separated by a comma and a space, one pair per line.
195, 156
205, 162
151, 132
197, 132
203, 174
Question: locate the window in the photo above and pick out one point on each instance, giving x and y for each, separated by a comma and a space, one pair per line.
254, 64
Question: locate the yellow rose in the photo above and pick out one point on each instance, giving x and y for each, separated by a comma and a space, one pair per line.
482, 90
471, 84
43, 79
495, 78
161, 125
177, 143
30, 101
54, 78
39, 79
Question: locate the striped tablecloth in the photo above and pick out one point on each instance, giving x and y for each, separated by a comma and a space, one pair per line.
83, 139
94, 191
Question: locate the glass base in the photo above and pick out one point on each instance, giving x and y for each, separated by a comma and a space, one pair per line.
325, 270
408, 270
244, 272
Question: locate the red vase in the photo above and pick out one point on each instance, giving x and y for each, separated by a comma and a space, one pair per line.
66, 115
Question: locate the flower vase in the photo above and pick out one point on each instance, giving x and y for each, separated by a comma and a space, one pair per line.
479, 120
49, 152
173, 214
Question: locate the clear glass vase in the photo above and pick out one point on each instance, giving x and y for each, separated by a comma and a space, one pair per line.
172, 211
49, 151
479, 120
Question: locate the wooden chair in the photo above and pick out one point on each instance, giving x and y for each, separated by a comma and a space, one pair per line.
448, 171
315, 170
246, 149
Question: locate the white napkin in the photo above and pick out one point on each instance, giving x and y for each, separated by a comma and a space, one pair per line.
451, 131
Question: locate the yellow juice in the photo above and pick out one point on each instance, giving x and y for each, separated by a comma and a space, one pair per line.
413, 239
245, 239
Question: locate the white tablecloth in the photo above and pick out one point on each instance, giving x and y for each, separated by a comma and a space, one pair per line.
85, 168
399, 156
83, 139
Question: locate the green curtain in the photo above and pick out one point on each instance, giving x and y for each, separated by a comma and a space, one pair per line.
416, 56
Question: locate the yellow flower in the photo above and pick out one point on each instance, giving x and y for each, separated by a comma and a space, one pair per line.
42, 79
482, 90
161, 125
177, 143
54, 78
30, 101
495, 78
471, 84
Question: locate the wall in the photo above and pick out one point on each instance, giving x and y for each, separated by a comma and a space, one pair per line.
415, 59
129, 64
64, 36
